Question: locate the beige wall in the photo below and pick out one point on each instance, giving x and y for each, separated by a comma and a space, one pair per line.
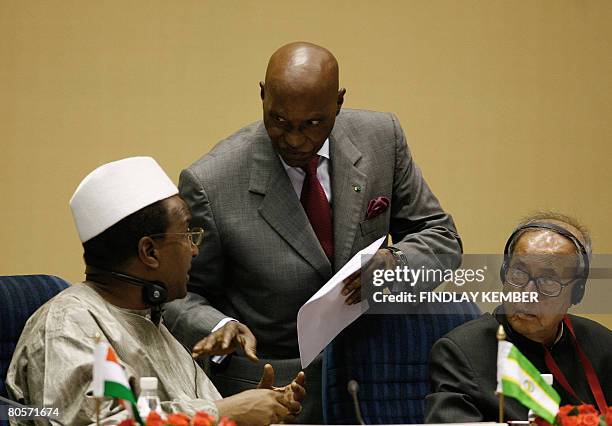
507, 105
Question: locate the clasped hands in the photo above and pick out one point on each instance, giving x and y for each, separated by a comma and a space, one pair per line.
268, 403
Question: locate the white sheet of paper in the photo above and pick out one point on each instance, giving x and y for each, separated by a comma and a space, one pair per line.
325, 314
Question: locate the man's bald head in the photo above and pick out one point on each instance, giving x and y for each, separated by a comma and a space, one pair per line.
569, 223
300, 100
302, 66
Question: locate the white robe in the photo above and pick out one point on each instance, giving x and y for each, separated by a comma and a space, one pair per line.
53, 361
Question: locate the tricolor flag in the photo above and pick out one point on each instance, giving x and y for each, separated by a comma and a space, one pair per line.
518, 378
109, 379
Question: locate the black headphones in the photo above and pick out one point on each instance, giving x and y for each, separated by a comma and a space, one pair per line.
578, 291
154, 293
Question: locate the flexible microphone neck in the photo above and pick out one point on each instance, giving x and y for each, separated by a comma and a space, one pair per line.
353, 389
104, 275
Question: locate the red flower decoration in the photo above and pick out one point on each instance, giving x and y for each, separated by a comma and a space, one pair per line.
178, 419
569, 421
154, 419
226, 422
586, 408
202, 419
580, 415
589, 419
566, 410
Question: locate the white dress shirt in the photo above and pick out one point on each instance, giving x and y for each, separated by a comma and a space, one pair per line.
297, 175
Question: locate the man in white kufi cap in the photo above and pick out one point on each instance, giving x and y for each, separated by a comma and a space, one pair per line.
137, 250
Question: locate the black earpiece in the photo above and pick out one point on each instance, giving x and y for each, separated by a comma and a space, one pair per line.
579, 286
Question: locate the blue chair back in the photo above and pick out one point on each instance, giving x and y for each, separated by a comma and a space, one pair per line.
388, 356
20, 296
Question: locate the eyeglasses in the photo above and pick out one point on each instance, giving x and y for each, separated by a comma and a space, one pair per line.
194, 235
547, 286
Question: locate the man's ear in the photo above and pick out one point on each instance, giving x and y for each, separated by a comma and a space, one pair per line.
148, 253
340, 100
262, 91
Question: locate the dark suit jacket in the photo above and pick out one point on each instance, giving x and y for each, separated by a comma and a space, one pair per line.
261, 261
463, 367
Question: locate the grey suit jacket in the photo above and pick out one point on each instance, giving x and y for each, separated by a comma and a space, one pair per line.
261, 261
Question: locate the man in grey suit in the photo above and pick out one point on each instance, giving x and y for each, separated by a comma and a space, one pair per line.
285, 203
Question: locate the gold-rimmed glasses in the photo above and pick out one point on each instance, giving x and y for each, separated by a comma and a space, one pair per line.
194, 235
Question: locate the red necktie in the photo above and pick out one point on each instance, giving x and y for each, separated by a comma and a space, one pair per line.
317, 208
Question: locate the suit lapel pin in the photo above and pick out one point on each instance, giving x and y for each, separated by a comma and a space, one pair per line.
356, 188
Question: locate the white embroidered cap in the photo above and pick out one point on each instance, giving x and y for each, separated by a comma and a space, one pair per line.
116, 190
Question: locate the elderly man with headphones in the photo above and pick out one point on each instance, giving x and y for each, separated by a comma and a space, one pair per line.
548, 253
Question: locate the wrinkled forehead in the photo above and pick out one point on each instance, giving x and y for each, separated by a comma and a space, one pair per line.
547, 249
543, 242
304, 86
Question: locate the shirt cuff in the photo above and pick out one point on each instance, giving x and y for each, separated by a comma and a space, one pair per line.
218, 359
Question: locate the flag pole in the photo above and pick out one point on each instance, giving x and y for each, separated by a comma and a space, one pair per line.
501, 335
97, 338
97, 411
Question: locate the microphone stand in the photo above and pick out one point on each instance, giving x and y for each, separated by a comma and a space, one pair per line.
353, 389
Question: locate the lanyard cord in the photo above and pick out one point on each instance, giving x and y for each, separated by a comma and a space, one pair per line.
588, 370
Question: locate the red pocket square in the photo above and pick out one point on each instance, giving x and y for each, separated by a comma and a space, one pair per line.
377, 206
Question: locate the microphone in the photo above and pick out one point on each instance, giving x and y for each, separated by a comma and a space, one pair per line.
353, 388
18, 405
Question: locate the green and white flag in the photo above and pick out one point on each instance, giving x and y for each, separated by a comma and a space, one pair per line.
109, 379
518, 378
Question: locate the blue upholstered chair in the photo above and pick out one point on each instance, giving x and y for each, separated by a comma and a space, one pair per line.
388, 356
20, 296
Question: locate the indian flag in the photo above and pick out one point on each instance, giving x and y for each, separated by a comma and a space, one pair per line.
109, 379
518, 378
